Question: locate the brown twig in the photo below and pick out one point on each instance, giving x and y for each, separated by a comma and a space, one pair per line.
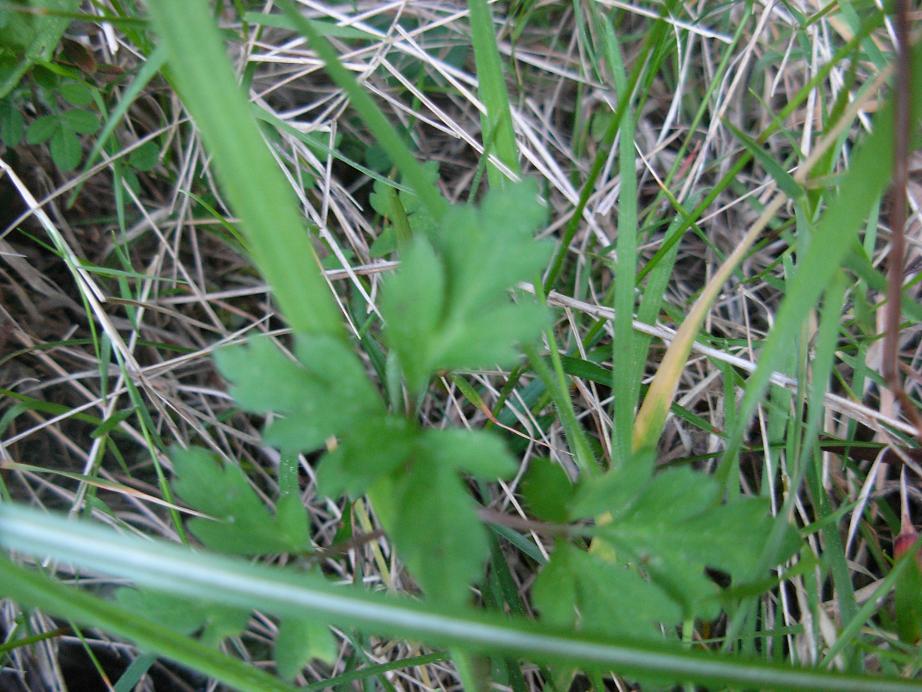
523, 524
902, 122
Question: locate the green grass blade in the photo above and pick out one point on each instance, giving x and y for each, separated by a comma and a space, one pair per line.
796, 100
871, 606
651, 41
556, 383
177, 570
371, 671
29, 587
784, 179
497, 122
322, 28
385, 134
861, 188
823, 362
628, 355
134, 673
255, 187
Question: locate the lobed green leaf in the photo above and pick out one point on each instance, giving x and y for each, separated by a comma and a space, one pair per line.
581, 590
242, 523
299, 640
185, 615
323, 394
447, 307
547, 490
437, 532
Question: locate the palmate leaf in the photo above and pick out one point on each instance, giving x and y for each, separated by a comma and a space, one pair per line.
665, 535
374, 448
242, 525
447, 307
419, 496
437, 532
583, 590
414, 479
675, 531
547, 491
299, 638
413, 304
421, 500
323, 394
432, 517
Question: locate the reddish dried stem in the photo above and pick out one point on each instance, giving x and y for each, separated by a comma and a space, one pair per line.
898, 212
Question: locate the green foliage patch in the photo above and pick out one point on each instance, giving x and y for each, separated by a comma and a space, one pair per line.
445, 308
636, 554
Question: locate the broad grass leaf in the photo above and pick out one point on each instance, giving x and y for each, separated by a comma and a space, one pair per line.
907, 603
270, 216
242, 523
200, 574
323, 28
907, 593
